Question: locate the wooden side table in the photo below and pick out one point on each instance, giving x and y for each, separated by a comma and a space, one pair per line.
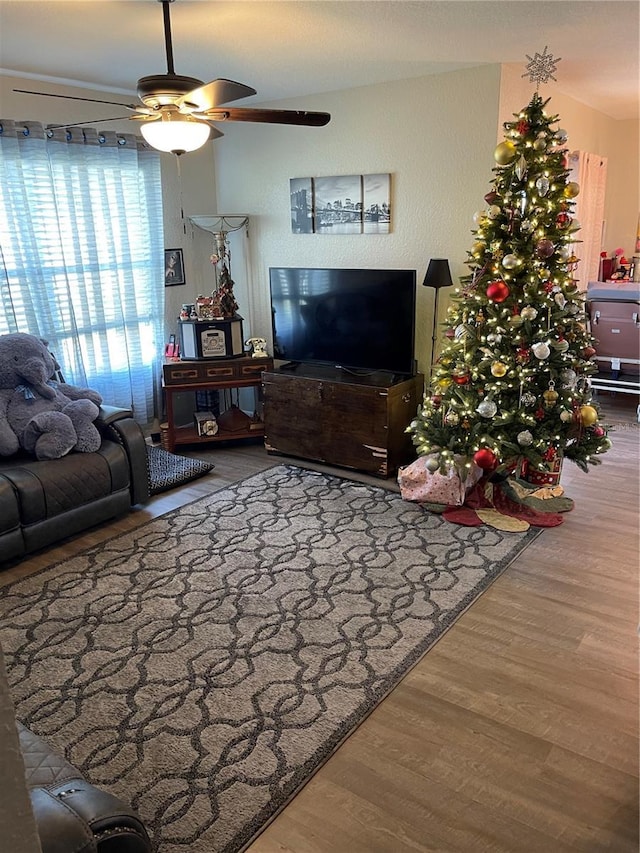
211, 375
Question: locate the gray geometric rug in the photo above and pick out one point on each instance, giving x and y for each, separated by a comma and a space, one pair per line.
203, 666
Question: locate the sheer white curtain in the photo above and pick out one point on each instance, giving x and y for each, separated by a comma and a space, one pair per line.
81, 241
590, 172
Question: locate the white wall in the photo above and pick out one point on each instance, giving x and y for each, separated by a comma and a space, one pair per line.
435, 135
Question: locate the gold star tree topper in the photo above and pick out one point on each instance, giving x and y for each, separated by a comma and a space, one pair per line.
541, 67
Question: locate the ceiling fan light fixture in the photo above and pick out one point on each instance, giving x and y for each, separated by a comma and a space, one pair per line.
176, 135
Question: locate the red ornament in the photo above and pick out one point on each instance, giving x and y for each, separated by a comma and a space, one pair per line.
523, 355
539, 414
491, 197
544, 248
485, 459
450, 333
548, 286
587, 352
598, 431
563, 220
497, 291
522, 127
436, 400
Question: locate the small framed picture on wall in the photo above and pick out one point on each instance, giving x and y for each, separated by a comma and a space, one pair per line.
173, 267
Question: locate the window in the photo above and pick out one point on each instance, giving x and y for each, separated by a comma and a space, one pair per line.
81, 239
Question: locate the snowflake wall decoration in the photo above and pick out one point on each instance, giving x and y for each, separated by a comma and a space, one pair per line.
541, 67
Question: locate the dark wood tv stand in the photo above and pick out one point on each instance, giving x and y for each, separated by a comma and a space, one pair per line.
346, 419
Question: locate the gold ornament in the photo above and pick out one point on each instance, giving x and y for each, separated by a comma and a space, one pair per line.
550, 396
588, 415
571, 190
498, 368
504, 153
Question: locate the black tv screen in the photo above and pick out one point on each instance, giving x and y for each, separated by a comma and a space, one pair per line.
351, 318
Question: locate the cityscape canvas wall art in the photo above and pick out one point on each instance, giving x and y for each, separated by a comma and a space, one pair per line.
341, 204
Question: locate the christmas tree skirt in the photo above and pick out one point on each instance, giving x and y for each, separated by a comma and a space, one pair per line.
510, 504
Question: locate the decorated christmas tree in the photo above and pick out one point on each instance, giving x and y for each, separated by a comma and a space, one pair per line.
511, 388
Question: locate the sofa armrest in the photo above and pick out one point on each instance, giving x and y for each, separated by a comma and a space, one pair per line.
109, 414
118, 425
80, 817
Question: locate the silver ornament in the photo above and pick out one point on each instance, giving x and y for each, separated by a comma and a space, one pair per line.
529, 313
542, 185
432, 464
521, 167
528, 399
525, 438
564, 252
566, 416
560, 300
509, 262
526, 226
486, 408
493, 338
561, 135
452, 419
568, 377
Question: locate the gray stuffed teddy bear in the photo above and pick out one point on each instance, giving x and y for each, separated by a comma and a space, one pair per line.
44, 417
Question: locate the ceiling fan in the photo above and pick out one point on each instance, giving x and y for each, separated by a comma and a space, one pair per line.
178, 113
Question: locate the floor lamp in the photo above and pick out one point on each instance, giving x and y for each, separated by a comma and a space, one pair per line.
438, 275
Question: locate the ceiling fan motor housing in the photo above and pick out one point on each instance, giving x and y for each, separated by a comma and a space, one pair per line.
158, 90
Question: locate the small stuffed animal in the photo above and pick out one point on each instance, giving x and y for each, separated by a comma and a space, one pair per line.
43, 417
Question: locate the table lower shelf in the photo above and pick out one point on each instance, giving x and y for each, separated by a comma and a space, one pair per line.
169, 439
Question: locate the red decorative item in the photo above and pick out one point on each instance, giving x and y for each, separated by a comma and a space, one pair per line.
587, 352
563, 220
522, 127
450, 333
485, 459
491, 197
523, 355
539, 414
544, 248
598, 431
497, 291
436, 400
548, 286
550, 477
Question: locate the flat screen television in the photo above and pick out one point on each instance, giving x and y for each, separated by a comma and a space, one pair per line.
355, 319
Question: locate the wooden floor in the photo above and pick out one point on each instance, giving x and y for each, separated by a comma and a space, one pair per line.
518, 731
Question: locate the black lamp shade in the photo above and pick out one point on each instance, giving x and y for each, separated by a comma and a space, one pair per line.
438, 274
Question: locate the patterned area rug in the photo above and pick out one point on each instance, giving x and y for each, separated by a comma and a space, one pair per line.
168, 470
203, 666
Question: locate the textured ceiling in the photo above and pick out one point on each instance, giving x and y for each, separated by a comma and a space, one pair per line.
291, 49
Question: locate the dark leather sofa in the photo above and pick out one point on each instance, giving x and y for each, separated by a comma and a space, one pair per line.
42, 502
73, 816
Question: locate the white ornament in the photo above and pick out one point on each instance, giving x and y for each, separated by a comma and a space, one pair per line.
566, 416
529, 313
560, 300
509, 262
568, 377
564, 252
542, 185
493, 211
541, 350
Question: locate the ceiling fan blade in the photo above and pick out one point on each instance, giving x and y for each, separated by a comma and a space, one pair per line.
215, 93
301, 117
89, 122
78, 98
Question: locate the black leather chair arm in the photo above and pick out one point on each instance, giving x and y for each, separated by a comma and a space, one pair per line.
109, 414
80, 817
118, 425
